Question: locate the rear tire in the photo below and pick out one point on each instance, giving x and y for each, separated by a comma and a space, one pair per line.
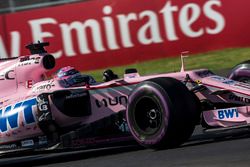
162, 113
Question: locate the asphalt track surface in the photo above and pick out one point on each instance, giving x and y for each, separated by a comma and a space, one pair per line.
230, 148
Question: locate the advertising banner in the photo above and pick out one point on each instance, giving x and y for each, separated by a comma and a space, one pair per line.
102, 33
3, 39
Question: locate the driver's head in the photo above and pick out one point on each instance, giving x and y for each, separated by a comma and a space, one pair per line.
66, 72
69, 76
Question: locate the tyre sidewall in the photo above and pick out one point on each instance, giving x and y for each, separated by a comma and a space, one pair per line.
157, 94
244, 66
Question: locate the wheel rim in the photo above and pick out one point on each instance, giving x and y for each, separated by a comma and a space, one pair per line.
147, 116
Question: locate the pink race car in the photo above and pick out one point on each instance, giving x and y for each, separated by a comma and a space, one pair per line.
158, 111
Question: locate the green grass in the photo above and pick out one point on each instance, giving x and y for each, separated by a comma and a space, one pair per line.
214, 60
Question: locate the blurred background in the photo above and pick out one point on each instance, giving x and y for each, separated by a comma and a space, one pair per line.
7, 6
94, 35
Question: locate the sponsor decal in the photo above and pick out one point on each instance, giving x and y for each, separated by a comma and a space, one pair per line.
219, 78
24, 61
42, 103
224, 80
76, 95
27, 58
228, 113
9, 75
97, 140
238, 98
150, 32
229, 82
27, 143
10, 115
44, 113
24, 64
134, 75
42, 140
106, 102
45, 86
8, 146
123, 127
29, 84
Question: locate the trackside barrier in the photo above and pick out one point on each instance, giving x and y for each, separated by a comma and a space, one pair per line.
100, 33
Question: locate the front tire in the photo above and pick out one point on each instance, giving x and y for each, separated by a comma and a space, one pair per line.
162, 113
241, 72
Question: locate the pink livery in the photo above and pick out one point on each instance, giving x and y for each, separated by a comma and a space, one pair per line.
158, 111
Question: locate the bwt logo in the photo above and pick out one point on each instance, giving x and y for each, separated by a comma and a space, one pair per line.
228, 113
9, 116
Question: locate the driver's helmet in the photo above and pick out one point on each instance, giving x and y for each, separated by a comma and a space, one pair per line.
66, 72
69, 76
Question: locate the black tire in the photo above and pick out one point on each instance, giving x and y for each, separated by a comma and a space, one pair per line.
237, 73
175, 108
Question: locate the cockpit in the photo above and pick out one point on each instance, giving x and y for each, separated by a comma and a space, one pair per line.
70, 77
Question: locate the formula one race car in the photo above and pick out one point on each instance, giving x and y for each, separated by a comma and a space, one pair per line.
158, 111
